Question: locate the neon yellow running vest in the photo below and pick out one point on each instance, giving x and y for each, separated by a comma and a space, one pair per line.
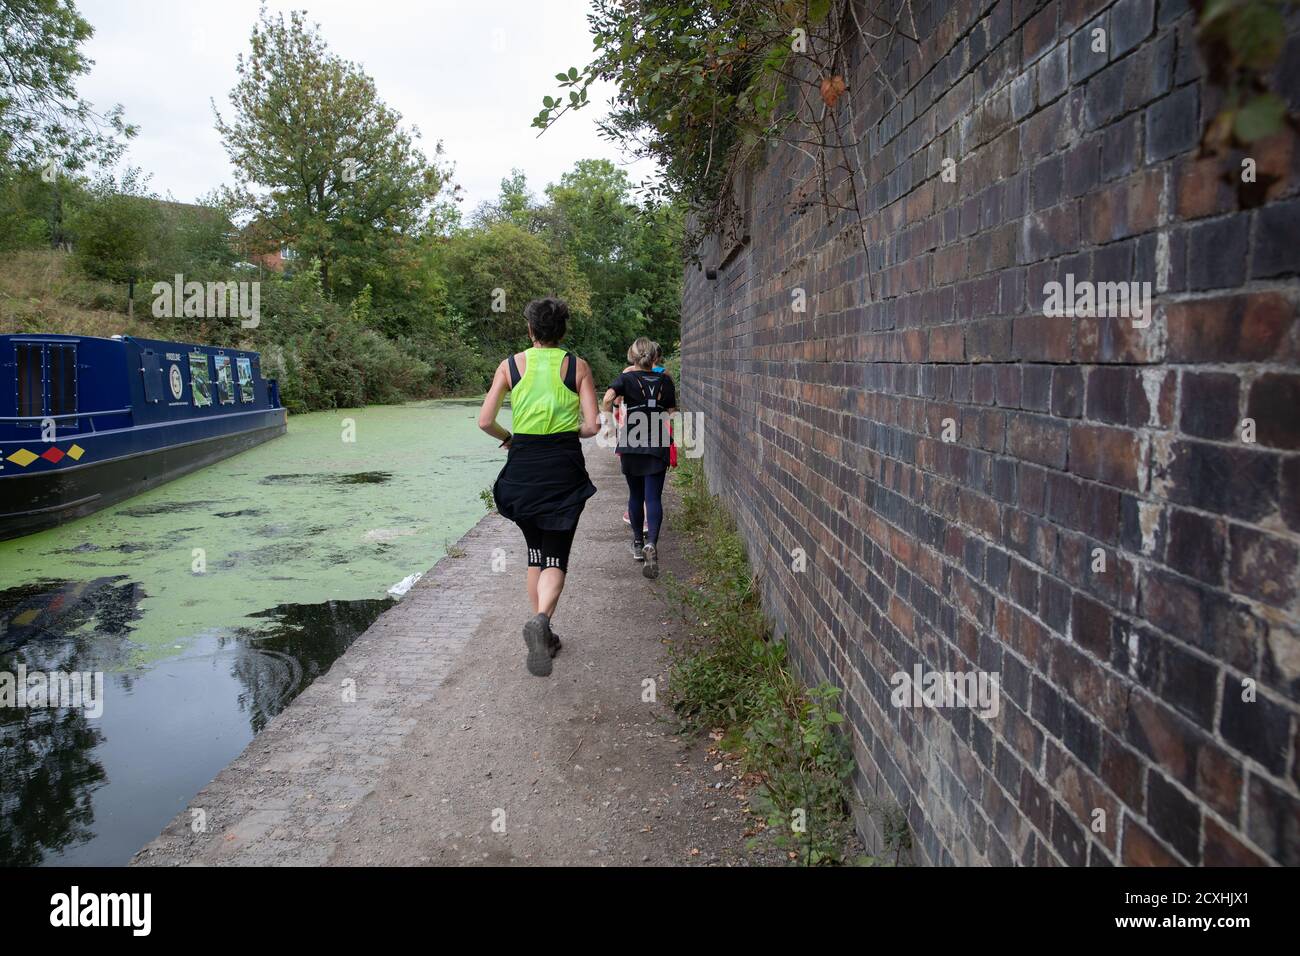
541, 404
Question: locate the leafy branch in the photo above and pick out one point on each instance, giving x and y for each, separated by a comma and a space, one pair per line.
1241, 41
706, 88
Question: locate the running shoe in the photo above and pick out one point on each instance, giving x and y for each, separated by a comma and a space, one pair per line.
537, 637
638, 552
553, 644
651, 569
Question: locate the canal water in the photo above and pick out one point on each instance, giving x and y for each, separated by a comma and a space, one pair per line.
208, 604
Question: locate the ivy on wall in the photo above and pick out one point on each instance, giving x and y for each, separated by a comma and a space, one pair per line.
705, 86
1241, 41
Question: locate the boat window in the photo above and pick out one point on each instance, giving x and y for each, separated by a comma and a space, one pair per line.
225, 383
200, 379
31, 380
47, 380
61, 369
245, 368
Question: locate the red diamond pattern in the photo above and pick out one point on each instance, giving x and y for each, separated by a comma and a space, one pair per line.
52, 454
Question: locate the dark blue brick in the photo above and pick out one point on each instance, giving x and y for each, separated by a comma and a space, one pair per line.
1277, 241
1217, 251
1130, 24
1172, 124
1084, 61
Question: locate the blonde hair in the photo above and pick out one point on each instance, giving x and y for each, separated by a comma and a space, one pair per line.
642, 354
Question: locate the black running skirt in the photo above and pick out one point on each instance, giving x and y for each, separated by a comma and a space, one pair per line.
544, 481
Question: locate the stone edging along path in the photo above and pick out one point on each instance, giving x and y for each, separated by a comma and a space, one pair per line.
451, 754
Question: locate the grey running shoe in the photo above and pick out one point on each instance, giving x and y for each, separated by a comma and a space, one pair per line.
537, 637
638, 552
553, 644
651, 569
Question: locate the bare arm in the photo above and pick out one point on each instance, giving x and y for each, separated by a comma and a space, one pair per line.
607, 402
487, 415
587, 401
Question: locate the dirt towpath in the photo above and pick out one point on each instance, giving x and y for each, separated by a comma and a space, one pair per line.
428, 743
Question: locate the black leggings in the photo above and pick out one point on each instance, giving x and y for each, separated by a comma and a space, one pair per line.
548, 549
645, 506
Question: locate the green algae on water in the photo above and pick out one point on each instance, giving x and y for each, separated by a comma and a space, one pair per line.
303, 519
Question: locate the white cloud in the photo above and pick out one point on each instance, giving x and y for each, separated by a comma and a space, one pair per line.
471, 74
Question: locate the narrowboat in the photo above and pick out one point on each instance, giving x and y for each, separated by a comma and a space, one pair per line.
87, 422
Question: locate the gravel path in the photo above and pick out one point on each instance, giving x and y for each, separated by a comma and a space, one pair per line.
451, 753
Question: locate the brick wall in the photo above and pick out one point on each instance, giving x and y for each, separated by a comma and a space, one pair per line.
1075, 438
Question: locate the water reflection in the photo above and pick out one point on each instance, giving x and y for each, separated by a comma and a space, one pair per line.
48, 767
302, 643
49, 774
51, 612
85, 790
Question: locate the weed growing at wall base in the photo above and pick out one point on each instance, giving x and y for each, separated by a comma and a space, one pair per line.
735, 676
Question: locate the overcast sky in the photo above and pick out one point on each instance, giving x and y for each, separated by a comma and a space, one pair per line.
471, 73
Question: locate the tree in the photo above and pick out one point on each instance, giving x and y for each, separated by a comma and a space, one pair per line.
515, 204
42, 120
630, 255
322, 164
26, 202
596, 213
492, 273
117, 225
198, 237
655, 261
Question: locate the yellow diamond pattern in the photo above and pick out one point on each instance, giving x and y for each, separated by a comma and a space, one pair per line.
75, 452
22, 457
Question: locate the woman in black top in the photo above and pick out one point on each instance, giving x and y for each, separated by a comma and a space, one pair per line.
643, 445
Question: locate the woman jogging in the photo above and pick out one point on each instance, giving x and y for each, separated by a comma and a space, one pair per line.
648, 397
619, 409
544, 485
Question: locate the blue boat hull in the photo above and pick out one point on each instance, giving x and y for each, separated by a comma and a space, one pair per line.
112, 466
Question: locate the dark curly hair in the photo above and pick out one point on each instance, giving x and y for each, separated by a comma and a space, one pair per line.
548, 319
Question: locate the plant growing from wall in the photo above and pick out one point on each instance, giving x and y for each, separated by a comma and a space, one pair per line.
1241, 41
705, 88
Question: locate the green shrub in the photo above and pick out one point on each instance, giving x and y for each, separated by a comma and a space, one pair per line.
115, 225
24, 212
342, 365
